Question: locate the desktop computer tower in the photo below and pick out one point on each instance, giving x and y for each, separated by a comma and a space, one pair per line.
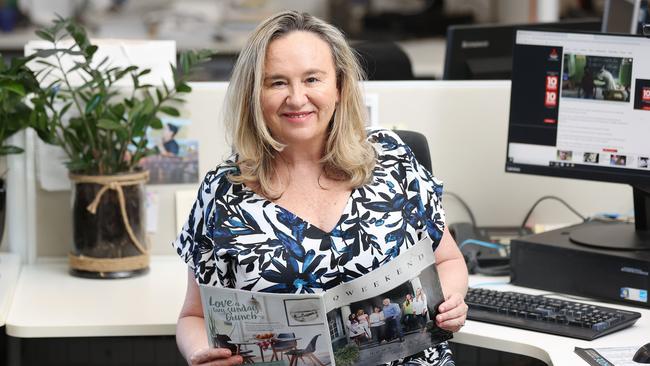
551, 261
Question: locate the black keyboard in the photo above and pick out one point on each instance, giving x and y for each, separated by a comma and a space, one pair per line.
547, 315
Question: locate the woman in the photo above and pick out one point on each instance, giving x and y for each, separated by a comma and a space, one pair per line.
378, 325
362, 317
303, 204
355, 330
407, 312
420, 308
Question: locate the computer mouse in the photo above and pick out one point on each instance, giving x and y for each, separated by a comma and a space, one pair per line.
643, 354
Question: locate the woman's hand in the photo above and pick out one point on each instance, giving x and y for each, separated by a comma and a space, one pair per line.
452, 313
214, 357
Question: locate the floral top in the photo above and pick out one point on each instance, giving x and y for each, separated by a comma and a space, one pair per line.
236, 238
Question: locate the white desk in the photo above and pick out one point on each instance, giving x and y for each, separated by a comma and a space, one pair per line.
9, 270
551, 349
50, 303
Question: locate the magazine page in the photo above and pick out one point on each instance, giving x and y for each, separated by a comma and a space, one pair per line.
388, 313
267, 328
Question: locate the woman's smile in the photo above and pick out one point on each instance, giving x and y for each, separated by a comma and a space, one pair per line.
297, 117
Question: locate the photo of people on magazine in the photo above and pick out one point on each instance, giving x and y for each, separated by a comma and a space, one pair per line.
368, 321
399, 321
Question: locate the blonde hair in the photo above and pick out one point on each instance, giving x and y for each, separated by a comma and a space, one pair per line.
348, 155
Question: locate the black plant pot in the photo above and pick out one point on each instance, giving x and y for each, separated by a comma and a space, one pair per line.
104, 247
3, 207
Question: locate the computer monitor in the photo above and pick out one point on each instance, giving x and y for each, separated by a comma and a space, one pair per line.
580, 108
621, 16
484, 52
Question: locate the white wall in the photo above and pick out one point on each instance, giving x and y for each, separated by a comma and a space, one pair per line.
465, 123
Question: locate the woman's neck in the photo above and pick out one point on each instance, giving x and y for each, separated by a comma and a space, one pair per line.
303, 154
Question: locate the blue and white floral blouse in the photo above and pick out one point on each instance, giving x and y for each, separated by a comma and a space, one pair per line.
236, 238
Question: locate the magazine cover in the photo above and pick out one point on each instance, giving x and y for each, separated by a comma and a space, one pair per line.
382, 316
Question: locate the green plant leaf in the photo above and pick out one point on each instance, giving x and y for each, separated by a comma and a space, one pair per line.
119, 74
8, 149
93, 103
170, 111
183, 88
156, 124
90, 51
14, 87
117, 110
45, 53
46, 63
44, 35
108, 124
65, 109
123, 135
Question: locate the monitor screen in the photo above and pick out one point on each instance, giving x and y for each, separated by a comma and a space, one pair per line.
484, 52
621, 16
580, 108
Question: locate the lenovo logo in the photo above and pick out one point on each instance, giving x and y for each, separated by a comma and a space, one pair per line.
474, 44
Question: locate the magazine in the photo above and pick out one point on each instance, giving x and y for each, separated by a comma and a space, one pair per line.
391, 322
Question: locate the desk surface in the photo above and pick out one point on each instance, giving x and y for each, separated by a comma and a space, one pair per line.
9, 270
554, 350
48, 302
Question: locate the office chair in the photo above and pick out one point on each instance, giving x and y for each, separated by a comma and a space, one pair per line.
383, 61
418, 144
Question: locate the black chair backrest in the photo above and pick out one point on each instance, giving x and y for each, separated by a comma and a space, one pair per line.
418, 144
280, 343
312, 345
383, 61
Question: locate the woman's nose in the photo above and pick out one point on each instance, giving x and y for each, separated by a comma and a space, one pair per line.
297, 96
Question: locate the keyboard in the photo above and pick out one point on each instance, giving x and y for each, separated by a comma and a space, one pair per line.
547, 315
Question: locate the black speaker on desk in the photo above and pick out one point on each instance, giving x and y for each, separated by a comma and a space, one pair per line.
551, 261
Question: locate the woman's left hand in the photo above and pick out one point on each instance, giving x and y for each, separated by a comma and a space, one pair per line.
453, 313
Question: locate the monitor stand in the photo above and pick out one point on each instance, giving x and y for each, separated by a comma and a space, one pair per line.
618, 235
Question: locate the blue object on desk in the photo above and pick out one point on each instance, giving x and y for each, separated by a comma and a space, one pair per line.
8, 15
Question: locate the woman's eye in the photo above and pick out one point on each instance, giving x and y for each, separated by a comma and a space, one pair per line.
277, 83
312, 80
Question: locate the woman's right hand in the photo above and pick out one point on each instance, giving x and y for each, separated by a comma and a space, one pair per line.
214, 357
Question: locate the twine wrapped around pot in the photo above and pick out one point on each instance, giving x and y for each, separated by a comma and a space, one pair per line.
115, 183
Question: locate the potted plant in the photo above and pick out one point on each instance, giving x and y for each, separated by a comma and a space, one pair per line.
103, 131
347, 356
16, 81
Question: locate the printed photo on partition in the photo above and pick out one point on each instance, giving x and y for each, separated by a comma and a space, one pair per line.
597, 77
643, 162
399, 322
177, 160
256, 326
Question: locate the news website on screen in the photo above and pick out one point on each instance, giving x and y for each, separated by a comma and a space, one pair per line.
580, 100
